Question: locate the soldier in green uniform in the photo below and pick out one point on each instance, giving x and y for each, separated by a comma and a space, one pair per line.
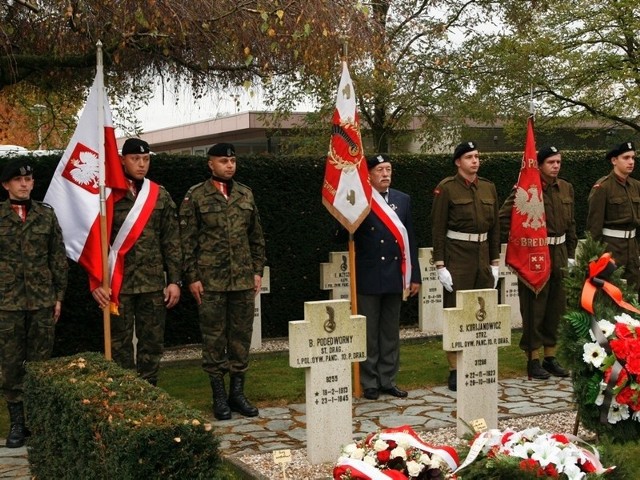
224, 259
465, 233
541, 313
152, 265
614, 211
33, 280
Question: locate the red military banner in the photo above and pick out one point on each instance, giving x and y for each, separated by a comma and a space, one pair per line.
346, 191
527, 249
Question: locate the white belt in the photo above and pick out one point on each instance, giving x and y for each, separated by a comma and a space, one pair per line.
556, 240
610, 232
467, 237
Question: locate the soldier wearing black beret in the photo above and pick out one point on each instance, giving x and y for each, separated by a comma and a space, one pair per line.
614, 211
33, 272
151, 277
224, 257
465, 232
541, 312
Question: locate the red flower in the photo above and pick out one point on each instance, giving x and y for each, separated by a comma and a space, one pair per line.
633, 360
384, 456
622, 377
625, 396
529, 465
621, 347
558, 437
551, 471
622, 330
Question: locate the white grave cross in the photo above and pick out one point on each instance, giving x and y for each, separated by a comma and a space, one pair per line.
431, 297
334, 275
509, 288
325, 344
256, 336
475, 329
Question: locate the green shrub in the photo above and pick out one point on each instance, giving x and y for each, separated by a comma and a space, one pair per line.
91, 419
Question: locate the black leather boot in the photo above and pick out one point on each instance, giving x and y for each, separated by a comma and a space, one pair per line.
221, 408
237, 401
17, 430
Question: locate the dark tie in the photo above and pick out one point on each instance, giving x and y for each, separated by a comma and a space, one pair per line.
385, 196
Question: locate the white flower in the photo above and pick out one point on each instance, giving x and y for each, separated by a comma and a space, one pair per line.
573, 472
617, 412
369, 460
380, 445
399, 452
349, 449
545, 452
414, 468
593, 354
628, 319
606, 327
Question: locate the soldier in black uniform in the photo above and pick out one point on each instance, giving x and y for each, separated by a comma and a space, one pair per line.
541, 313
466, 233
33, 280
614, 211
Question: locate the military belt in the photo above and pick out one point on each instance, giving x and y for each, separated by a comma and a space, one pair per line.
466, 237
610, 232
556, 240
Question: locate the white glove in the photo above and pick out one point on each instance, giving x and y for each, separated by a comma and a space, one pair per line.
571, 263
495, 271
445, 279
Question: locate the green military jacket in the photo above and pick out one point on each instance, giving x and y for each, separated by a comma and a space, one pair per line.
222, 239
613, 204
33, 260
466, 208
157, 249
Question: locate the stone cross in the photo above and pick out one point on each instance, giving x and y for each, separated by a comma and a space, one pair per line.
431, 296
334, 275
325, 344
256, 336
475, 329
509, 288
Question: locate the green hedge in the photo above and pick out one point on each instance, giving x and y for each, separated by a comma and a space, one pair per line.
297, 229
91, 419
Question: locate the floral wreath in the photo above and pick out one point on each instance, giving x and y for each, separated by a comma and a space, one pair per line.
530, 453
600, 342
396, 453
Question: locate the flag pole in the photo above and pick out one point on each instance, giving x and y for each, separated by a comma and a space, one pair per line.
106, 311
531, 309
357, 388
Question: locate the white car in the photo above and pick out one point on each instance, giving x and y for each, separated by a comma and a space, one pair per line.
12, 151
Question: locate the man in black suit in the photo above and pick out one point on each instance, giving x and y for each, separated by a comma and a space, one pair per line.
379, 282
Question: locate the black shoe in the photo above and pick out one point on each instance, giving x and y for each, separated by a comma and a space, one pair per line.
395, 391
535, 370
371, 393
452, 383
551, 365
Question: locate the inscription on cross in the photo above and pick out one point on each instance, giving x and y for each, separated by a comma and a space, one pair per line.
430, 313
256, 336
325, 343
509, 289
334, 275
475, 329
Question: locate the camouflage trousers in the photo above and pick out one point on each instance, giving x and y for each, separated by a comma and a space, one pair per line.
226, 324
147, 313
25, 336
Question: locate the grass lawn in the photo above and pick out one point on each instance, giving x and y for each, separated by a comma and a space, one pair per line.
271, 382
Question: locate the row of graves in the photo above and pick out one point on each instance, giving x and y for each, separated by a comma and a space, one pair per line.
331, 339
